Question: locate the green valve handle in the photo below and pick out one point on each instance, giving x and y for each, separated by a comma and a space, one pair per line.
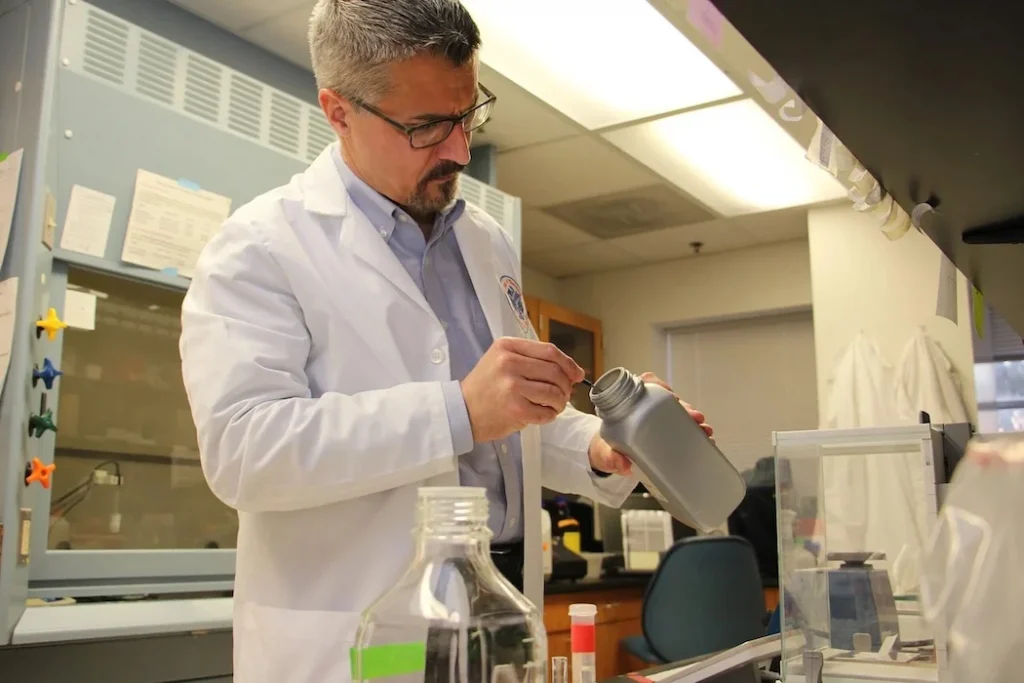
40, 424
383, 661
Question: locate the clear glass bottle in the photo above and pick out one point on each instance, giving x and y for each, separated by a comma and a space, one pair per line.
452, 617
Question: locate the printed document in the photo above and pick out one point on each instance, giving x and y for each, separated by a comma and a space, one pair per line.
8, 309
10, 175
87, 222
170, 223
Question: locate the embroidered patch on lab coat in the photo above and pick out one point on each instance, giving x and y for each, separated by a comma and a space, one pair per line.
514, 294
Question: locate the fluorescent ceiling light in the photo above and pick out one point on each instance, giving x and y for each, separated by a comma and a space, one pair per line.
600, 62
733, 157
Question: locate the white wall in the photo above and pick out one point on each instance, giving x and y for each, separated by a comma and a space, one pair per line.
863, 281
634, 305
541, 285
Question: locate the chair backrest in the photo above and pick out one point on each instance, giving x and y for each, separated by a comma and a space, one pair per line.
705, 597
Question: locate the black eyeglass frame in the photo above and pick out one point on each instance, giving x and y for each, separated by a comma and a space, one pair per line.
452, 121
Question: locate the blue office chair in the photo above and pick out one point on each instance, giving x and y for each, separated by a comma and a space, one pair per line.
705, 597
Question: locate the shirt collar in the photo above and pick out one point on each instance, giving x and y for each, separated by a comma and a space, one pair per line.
383, 213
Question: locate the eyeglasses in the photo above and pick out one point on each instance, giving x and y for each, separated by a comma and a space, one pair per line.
435, 132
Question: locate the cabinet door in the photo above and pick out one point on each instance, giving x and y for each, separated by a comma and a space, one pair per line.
533, 311
579, 337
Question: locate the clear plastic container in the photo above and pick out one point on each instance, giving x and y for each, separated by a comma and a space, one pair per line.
452, 617
854, 509
559, 670
583, 642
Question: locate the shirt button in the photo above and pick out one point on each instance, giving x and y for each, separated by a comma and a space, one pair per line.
383, 233
504, 449
512, 521
437, 356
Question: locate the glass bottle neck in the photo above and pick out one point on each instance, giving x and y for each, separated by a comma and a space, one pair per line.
449, 543
452, 526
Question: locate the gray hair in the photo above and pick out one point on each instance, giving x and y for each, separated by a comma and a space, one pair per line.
352, 42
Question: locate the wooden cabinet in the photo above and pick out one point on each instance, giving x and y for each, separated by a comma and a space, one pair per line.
618, 616
578, 336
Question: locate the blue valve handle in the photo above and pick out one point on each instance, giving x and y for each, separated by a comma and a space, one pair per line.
48, 373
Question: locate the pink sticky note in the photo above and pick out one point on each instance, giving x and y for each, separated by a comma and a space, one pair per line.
706, 18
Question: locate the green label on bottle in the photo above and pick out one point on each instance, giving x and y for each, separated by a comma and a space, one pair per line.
383, 661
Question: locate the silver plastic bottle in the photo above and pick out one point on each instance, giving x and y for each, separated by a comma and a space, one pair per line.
671, 454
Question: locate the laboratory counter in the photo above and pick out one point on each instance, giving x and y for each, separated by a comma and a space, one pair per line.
636, 581
619, 601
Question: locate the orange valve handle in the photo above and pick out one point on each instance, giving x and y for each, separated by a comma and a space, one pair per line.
40, 472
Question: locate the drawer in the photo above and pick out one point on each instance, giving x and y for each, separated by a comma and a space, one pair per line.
612, 606
622, 608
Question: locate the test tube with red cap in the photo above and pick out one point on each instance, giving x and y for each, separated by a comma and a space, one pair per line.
583, 642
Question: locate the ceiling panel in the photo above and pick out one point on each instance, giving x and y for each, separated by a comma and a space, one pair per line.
643, 209
733, 157
674, 243
774, 226
519, 119
566, 170
239, 15
542, 232
585, 258
284, 35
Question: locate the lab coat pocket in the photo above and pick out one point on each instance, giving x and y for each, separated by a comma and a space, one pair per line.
276, 645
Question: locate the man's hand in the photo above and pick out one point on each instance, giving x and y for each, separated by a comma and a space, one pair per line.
518, 382
694, 413
604, 458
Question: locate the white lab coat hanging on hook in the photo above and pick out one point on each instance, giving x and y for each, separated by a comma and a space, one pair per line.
860, 396
927, 381
314, 367
871, 503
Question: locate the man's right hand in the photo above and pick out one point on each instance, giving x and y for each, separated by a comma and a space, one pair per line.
518, 382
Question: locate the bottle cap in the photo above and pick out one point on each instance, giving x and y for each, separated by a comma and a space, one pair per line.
581, 609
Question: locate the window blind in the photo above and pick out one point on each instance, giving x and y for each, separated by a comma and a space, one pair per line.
750, 378
998, 342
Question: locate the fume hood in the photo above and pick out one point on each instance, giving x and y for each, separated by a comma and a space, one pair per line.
927, 97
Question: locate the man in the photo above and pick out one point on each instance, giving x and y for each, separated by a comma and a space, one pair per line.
356, 334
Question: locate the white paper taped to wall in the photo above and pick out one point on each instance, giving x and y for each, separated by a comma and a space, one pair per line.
80, 309
87, 222
170, 223
946, 305
8, 309
10, 176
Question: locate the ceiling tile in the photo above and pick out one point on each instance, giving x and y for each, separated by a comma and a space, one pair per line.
644, 209
732, 157
519, 119
238, 15
566, 170
542, 232
585, 258
774, 226
675, 243
284, 35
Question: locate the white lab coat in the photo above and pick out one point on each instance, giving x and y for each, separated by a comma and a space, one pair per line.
860, 396
878, 502
314, 366
927, 381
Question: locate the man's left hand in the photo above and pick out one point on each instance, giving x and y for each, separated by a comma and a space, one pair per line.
604, 458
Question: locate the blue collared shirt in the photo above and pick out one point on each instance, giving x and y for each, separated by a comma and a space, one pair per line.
438, 269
